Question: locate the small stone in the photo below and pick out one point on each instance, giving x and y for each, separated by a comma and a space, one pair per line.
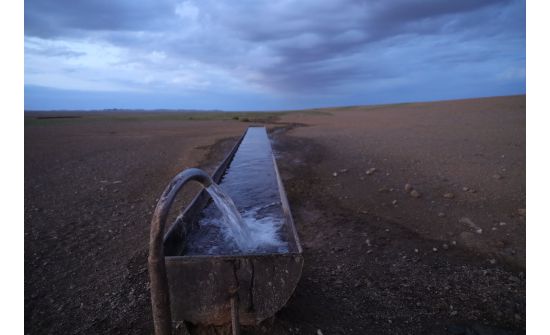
394, 202
368, 242
448, 195
441, 214
471, 224
513, 278
415, 194
453, 242
465, 189
408, 188
434, 249
494, 228
319, 332
493, 261
343, 170
454, 313
416, 250
497, 176
369, 251
335, 174
502, 223
370, 171
445, 246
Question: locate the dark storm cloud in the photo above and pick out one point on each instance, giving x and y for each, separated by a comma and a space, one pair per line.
292, 47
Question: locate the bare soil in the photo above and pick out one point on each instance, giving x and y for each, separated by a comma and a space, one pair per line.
377, 259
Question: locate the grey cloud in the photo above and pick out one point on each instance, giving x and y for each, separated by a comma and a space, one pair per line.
308, 45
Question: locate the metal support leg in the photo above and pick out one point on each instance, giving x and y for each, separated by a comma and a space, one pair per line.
235, 324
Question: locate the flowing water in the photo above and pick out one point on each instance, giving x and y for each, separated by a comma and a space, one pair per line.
236, 228
246, 215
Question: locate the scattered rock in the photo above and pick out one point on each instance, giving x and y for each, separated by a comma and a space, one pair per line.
343, 170
370, 171
465, 189
408, 188
441, 214
470, 224
415, 194
335, 174
454, 313
453, 242
513, 278
319, 332
497, 176
494, 228
434, 249
445, 246
416, 250
394, 202
448, 195
368, 242
493, 261
502, 223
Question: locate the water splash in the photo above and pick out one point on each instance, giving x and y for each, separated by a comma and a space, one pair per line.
229, 232
231, 218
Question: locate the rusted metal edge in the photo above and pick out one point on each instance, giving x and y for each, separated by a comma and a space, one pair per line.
286, 206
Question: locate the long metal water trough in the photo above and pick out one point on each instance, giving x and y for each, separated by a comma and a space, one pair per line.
205, 289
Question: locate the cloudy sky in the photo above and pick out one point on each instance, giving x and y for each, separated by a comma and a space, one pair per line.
250, 55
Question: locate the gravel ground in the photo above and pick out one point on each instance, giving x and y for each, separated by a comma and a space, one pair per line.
412, 217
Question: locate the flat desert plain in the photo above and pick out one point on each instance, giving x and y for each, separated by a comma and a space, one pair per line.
412, 216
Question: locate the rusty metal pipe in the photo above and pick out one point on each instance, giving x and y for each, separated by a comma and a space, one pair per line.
160, 295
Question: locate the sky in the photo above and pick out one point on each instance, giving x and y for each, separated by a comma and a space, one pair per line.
269, 55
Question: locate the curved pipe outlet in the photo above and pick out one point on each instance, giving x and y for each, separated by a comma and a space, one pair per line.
160, 296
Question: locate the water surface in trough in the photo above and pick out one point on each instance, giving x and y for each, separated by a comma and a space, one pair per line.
251, 182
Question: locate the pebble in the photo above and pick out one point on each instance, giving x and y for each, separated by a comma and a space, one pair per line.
465, 189
416, 250
394, 202
343, 170
513, 278
370, 171
368, 242
448, 195
445, 246
408, 188
502, 223
453, 242
453, 313
494, 228
319, 332
497, 176
415, 194
493, 261
335, 174
471, 224
434, 249
441, 214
